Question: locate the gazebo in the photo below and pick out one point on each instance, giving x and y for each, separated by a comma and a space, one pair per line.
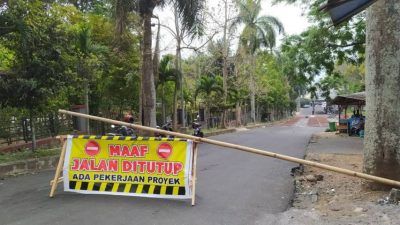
355, 99
344, 101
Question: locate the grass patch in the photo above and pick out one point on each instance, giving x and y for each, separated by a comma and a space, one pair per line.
28, 154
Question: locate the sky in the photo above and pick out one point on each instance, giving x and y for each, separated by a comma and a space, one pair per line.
290, 15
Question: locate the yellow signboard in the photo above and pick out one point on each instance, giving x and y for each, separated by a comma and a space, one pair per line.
113, 165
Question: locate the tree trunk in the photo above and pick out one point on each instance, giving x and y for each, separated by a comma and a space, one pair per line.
31, 118
238, 114
382, 137
313, 107
163, 103
156, 64
87, 105
140, 114
140, 109
120, 20
178, 65
149, 93
225, 65
208, 116
175, 113
252, 88
156, 57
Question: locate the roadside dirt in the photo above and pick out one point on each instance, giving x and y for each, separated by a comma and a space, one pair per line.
324, 197
317, 121
291, 121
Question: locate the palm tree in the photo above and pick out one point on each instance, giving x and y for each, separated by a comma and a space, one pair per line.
84, 45
167, 72
258, 32
209, 86
188, 12
313, 92
86, 48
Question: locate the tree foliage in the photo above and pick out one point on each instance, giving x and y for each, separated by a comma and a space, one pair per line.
322, 48
42, 55
259, 31
52, 51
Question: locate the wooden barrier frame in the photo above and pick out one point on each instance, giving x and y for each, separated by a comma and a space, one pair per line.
58, 177
242, 148
194, 173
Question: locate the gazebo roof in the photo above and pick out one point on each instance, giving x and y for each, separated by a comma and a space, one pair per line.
350, 99
342, 10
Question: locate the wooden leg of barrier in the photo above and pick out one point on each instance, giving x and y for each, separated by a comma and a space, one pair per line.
58, 169
194, 173
60, 179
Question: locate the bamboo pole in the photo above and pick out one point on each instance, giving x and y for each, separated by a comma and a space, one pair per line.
243, 148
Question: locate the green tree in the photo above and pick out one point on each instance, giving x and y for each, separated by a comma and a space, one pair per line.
259, 31
380, 32
6, 58
41, 65
58, 49
273, 90
211, 88
346, 79
328, 83
166, 73
84, 69
321, 48
189, 12
115, 66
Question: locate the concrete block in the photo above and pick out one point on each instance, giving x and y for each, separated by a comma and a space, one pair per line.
5, 169
41, 164
19, 167
31, 164
394, 196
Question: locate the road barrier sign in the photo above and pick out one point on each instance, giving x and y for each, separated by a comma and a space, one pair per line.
196, 140
131, 166
92, 148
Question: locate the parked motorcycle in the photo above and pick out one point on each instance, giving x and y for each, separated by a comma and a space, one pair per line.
121, 131
197, 129
168, 127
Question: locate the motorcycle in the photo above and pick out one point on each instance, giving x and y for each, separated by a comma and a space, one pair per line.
168, 127
197, 129
121, 131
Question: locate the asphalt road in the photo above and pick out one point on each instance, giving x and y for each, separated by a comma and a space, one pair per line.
233, 188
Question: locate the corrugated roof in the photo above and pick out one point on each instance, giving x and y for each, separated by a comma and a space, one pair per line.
342, 10
350, 99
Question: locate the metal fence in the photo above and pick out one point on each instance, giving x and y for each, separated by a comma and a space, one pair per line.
18, 129
15, 127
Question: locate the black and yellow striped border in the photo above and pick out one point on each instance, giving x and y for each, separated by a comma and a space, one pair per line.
127, 138
127, 188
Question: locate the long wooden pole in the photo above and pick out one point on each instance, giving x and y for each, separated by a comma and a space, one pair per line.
242, 148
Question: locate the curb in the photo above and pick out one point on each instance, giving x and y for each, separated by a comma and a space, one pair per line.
41, 142
28, 166
232, 130
50, 162
225, 131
